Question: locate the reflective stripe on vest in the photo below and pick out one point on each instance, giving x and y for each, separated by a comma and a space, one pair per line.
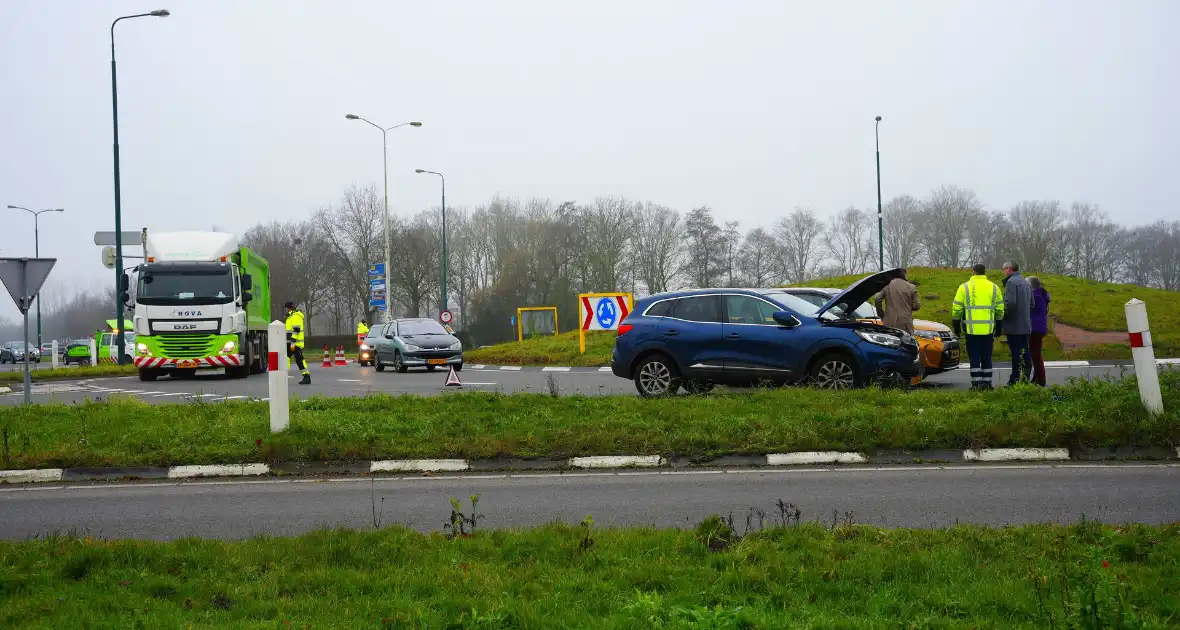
980, 319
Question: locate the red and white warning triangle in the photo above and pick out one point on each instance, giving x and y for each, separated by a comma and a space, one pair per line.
453, 378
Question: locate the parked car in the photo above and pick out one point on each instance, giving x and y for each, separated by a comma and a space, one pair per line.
77, 352
365, 356
15, 351
937, 345
414, 342
698, 338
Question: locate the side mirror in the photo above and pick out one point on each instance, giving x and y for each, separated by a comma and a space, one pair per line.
247, 296
124, 284
389, 337
126, 297
786, 319
247, 282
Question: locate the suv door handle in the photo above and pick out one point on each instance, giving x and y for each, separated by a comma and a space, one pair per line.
671, 333
733, 335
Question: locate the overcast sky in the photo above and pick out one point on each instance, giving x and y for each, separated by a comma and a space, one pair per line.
232, 112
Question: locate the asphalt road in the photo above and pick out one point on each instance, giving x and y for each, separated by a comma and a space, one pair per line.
357, 381
913, 496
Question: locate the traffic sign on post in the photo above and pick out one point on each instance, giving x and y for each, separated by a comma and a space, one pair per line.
378, 287
601, 311
23, 278
445, 317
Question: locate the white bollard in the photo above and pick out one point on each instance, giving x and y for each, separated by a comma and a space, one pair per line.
1145, 369
93, 352
280, 411
53, 349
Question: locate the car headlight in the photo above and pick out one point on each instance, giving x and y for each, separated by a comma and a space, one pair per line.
229, 347
458, 345
412, 348
881, 339
142, 349
926, 334
365, 346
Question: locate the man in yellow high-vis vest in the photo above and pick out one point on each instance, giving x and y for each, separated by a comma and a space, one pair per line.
296, 333
362, 329
976, 315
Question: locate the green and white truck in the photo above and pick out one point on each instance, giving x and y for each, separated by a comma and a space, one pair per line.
202, 303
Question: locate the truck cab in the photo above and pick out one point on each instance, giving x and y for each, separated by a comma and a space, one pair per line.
195, 309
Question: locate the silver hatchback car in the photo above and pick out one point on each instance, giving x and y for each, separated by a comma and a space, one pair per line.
414, 342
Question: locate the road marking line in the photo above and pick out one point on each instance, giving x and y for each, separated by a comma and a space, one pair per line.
604, 369
470, 383
30, 488
349, 380
236, 397
1067, 364
510, 368
163, 394
478, 366
555, 369
814, 457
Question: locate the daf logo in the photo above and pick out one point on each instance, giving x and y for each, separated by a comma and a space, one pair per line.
186, 313
185, 327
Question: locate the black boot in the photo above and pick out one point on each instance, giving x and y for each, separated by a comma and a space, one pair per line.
306, 380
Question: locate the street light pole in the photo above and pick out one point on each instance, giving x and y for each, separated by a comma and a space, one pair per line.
444, 234
880, 212
118, 192
37, 252
385, 222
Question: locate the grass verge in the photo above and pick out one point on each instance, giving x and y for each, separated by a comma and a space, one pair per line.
123, 432
800, 576
46, 374
548, 350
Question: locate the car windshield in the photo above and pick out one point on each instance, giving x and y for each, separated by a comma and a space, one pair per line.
416, 327
186, 286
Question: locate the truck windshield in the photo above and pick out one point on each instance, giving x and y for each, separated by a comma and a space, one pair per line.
186, 286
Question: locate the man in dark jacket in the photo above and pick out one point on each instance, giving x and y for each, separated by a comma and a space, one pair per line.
1018, 322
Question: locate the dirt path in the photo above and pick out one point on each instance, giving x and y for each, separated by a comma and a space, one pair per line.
1072, 338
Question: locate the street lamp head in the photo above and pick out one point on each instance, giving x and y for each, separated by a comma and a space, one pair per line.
878, 119
352, 116
160, 13
11, 207
417, 170
415, 124
58, 210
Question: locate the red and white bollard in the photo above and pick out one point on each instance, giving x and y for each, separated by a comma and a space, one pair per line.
1145, 369
280, 412
340, 359
327, 358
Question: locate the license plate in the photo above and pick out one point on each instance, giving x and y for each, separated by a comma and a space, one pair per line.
187, 363
436, 361
954, 355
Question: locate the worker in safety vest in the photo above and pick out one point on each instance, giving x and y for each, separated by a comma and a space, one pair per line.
362, 329
295, 337
976, 315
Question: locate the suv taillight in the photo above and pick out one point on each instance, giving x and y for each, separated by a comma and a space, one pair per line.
625, 328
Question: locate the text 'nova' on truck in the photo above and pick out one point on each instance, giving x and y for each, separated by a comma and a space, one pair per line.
202, 302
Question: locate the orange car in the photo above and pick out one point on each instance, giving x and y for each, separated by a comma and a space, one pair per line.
937, 346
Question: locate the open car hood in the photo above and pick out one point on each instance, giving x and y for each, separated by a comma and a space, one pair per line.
860, 292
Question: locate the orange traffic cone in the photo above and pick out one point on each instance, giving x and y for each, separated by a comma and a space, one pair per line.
327, 358
340, 360
453, 378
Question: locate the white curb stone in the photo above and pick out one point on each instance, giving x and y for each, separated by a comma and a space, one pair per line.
31, 475
814, 457
419, 465
617, 461
1016, 454
218, 470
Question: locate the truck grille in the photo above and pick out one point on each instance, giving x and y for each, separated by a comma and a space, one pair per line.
187, 346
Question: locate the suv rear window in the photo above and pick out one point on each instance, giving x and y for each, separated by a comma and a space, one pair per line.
660, 309
704, 308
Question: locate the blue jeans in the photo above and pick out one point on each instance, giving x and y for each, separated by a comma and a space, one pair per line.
979, 353
1022, 363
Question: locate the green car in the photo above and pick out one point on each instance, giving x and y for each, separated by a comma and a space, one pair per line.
414, 342
78, 352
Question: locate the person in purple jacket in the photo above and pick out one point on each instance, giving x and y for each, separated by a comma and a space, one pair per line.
1040, 328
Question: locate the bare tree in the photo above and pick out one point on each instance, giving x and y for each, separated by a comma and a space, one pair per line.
903, 231
352, 231
849, 240
799, 237
948, 211
656, 246
760, 259
415, 278
1036, 235
1093, 243
731, 239
987, 235
703, 242
1163, 254
607, 224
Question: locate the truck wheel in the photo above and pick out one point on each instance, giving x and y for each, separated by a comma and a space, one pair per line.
148, 375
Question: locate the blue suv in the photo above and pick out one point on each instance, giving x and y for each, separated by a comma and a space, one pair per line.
703, 337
